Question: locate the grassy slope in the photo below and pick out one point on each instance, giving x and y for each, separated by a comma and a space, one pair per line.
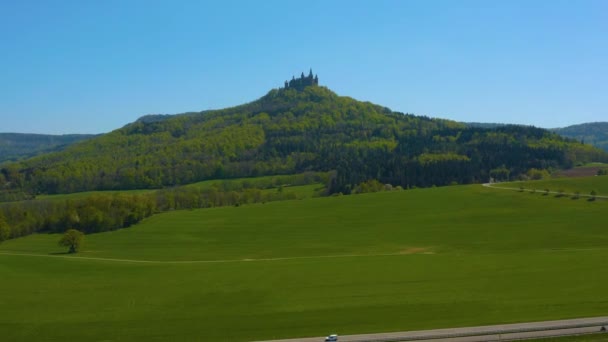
588, 165
301, 191
497, 256
584, 185
85, 194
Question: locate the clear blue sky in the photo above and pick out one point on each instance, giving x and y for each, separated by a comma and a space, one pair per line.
95, 65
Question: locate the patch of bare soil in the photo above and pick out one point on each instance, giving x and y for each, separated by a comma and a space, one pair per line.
579, 172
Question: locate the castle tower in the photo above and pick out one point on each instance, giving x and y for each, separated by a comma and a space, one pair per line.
302, 82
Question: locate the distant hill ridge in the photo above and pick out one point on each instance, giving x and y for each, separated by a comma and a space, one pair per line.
594, 133
15, 146
296, 129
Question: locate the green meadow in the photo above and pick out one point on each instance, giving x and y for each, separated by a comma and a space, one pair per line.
391, 261
85, 194
584, 185
266, 183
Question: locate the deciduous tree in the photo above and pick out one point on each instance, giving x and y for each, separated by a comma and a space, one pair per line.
73, 239
5, 231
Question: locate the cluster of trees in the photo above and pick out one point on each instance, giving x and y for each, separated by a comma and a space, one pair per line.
104, 212
373, 185
13, 195
536, 174
602, 172
93, 214
5, 231
289, 131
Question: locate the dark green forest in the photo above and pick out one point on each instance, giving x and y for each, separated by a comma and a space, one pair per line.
289, 131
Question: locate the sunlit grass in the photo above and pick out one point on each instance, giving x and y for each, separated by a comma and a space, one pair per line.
403, 260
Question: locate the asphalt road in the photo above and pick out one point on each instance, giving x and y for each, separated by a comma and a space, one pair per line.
502, 332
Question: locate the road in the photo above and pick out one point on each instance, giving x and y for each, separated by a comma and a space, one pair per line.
501, 332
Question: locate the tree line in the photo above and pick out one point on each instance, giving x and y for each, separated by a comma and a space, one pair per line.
102, 212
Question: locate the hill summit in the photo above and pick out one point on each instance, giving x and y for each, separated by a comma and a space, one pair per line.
298, 128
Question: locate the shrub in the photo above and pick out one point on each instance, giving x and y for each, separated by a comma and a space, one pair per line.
592, 194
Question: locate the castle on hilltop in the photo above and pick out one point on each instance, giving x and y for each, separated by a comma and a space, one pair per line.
302, 82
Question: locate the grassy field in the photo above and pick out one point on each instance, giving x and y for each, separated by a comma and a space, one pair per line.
301, 191
584, 185
85, 194
409, 260
594, 165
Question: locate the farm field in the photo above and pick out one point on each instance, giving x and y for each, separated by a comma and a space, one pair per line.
408, 260
584, 185
587, 170
85, 194
300, 191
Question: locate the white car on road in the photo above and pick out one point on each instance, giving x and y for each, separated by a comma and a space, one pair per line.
331, 338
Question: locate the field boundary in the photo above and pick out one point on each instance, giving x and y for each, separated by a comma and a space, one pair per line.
492, 186
9, 253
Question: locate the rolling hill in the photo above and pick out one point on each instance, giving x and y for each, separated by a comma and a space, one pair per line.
293, 130
594, 133
15, 146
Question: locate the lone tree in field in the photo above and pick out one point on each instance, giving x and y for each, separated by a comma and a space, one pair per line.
72, 238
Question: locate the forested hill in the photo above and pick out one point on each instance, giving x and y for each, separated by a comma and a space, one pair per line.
594, 133
15, 146
290, 131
